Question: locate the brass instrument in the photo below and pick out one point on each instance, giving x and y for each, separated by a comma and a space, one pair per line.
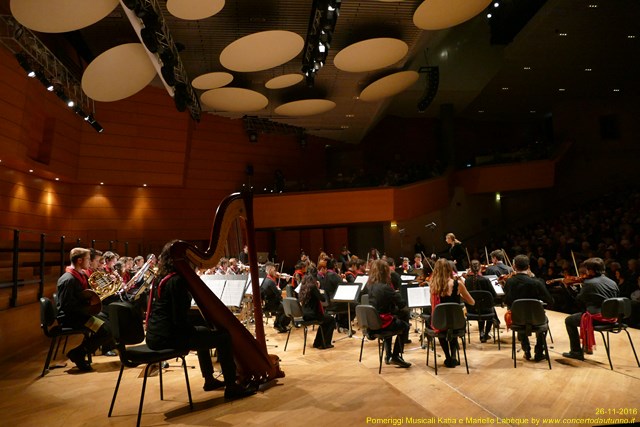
143, 279
105, 284
255, 365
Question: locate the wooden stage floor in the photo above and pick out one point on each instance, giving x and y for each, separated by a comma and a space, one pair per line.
331, 388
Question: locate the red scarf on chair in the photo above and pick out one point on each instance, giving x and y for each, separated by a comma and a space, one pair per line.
586, 329
435, 300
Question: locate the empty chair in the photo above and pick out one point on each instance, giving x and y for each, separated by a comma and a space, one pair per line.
293, 310
55, 332
371, 324
448, 318
482, 310
527, 317
128, 331
619, 309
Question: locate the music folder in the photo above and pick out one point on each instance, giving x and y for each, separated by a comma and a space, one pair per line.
347, 293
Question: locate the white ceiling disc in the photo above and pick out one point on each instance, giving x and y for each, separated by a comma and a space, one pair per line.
212, 80
283, 81
234, 99
261, 51
118, 73
389, 86
60, 16
194, 9
305, 107
440, 14
369, 55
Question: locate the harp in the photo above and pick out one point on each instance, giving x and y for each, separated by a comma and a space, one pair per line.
254, 364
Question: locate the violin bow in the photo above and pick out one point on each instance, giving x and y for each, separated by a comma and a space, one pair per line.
468, 257
506, 257
486, 255
575, 265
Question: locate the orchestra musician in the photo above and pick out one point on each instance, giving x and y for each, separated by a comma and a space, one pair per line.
344, 258
523, 285
95, 262
475, 281
243, 256
329, 282
595, 288
406, 267
417, 262
445, 287
73, 309
497, 267
396, 280
391, 309
311, 299
272, 297
168, 326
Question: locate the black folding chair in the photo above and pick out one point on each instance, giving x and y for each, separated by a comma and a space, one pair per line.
619, 309
448, 318
127, 330
527, 317
293, 310
369, 320
482, 310
54, 332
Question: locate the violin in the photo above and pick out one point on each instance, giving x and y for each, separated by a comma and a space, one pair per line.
570, 280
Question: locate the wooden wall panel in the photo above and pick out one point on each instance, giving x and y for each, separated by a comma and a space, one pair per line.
288, 247
507, 177
334, 239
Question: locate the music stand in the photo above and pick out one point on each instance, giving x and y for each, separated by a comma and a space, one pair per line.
349, 294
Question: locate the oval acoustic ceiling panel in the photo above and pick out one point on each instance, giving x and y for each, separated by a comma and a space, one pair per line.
234, 99
370, 55
60, 16
261, 51
283, 81
388, 86
440, 14
118, 73
194, 9
305, 107
212, 80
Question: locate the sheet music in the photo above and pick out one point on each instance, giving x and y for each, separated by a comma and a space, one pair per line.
494, 283
346, 293
214, 283
234, 292
407, 277
249, 289
418, 297
362, 280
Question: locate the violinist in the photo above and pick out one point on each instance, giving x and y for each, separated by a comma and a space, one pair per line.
396, 280
497, 267
329, 282
344, 258
596, 287
352, 270
272, 297
417, 262
475, 281
523, 285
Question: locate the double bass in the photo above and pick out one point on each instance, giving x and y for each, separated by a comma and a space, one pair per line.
255, 365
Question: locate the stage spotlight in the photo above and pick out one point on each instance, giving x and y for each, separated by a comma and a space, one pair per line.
97, 126
253, 136
24, 62
168, 74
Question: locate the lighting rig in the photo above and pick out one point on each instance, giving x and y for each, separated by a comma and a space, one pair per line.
432, 75
40, 63
322, 23
148, 22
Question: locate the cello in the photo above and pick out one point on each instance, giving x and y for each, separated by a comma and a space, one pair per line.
255, 365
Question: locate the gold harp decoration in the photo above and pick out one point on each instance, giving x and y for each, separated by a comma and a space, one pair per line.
254, 364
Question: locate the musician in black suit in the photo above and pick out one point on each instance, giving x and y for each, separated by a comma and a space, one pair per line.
168, 326
329, 282
272, 297
73, 309
523, 285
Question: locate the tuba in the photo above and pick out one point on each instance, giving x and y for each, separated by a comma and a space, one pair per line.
255, 365
104, 284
